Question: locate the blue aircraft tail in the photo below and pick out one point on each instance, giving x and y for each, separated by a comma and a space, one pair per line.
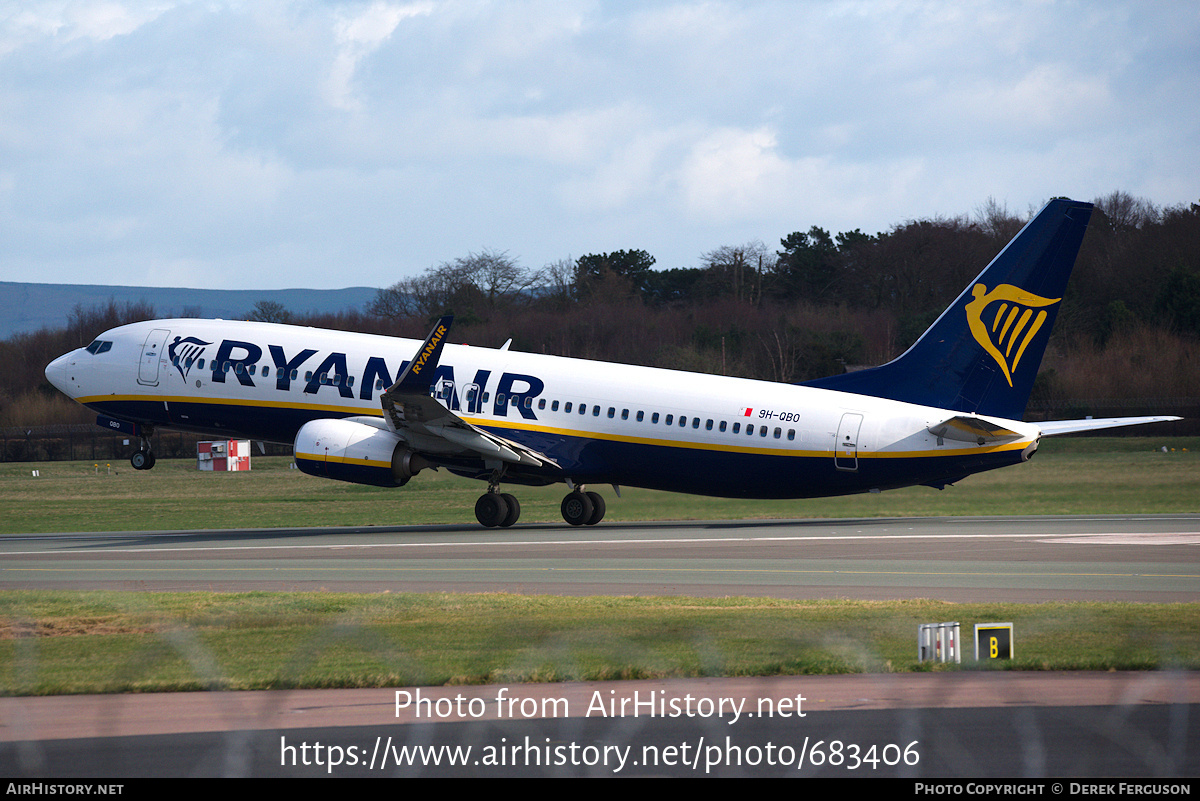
982, 354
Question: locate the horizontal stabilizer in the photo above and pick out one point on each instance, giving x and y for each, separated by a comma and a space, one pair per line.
1052, 428
973, 429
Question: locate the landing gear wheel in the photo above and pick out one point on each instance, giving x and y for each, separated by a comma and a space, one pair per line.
492, 509
142, 460
514, 510
598, 508
577, 508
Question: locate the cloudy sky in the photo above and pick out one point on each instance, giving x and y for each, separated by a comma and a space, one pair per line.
265, 144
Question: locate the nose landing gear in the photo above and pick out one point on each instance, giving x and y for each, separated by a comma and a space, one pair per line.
143, 457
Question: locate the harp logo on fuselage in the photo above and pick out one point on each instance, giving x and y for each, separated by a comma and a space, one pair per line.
184, 352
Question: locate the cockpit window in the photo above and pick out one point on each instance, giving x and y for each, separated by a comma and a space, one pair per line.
99, 346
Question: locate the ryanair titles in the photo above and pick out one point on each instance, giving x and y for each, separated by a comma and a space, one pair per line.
246, 363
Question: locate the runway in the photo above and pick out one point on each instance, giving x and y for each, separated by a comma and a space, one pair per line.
1145, 558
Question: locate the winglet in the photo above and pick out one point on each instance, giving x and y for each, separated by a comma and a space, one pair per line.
414, 378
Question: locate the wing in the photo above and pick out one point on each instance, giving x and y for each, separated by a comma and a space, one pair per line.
430, 428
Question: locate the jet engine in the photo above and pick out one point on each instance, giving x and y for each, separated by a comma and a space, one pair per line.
361, 454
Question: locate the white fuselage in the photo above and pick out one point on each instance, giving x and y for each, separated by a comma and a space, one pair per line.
596, 421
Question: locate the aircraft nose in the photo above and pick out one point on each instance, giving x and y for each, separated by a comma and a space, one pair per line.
56, 374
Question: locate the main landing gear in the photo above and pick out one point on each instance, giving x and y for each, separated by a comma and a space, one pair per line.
500, 509
497, 509
582, 508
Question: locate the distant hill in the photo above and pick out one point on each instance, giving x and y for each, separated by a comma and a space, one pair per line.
29, 307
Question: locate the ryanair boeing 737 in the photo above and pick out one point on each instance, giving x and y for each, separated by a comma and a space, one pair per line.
378, 410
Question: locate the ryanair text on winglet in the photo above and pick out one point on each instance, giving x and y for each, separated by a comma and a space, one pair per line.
430, 347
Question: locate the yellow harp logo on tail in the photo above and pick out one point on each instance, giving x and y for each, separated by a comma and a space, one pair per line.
1004, 322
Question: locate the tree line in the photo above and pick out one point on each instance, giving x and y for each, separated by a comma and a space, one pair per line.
817, 304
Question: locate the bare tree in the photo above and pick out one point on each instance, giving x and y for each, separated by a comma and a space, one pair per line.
740, 269
472, 286
269, 311
1123, 210
557, 280
995, 220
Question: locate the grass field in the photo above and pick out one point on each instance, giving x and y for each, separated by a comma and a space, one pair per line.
1068, 476
64, 642
76, 642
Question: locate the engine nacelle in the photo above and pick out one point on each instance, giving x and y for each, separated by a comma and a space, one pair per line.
361, 454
